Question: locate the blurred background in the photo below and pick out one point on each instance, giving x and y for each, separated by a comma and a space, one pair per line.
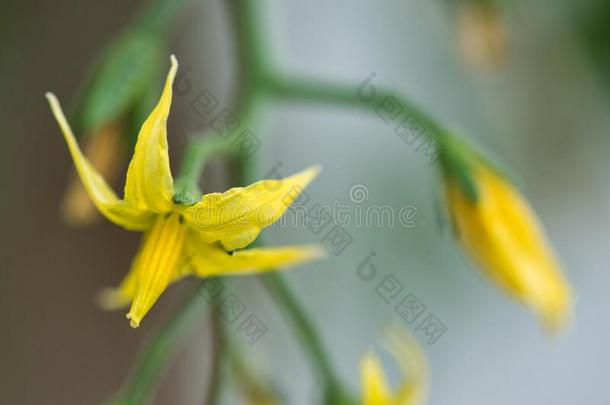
527, 81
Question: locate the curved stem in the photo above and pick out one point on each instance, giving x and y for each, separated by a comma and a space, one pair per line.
257, 80
302, 325
213, 391
156, 354
200, 149
275, 283
301, 90
253, 58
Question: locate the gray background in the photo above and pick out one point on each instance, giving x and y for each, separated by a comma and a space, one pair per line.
543, 113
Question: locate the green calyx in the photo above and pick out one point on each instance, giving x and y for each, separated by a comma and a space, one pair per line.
457, 161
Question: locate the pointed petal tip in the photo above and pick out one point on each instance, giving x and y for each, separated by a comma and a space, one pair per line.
57, 110
307, 175
174, 65
315, 169
53, 101
554, 312
134, 323
555, 324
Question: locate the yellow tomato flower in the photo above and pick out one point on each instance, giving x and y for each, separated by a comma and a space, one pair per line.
501, 232
413, 389
199, 239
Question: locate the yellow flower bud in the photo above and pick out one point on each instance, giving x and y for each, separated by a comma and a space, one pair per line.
501, 232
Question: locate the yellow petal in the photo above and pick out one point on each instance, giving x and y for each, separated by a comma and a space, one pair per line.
408, 354
413, 364
211, 260
375, 389
103, 149
157, 263
149, 184
121, 296
236, 217
503, 235
98, 190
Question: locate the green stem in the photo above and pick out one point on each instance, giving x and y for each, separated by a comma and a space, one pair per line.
255, 82
156, 354
253, 58
200, 149
276, 285
218, 350
158, 15
302, 325
253, 63
301, 90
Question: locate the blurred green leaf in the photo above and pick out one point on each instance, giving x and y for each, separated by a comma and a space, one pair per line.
591, 21
126, 70
143, 106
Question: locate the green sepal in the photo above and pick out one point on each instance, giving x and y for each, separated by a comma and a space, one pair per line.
337, 395
457, 159
184, 196
201, 150
126, 69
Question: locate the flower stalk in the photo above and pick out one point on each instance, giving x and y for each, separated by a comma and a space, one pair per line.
156, 355
303, 327
310, 91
